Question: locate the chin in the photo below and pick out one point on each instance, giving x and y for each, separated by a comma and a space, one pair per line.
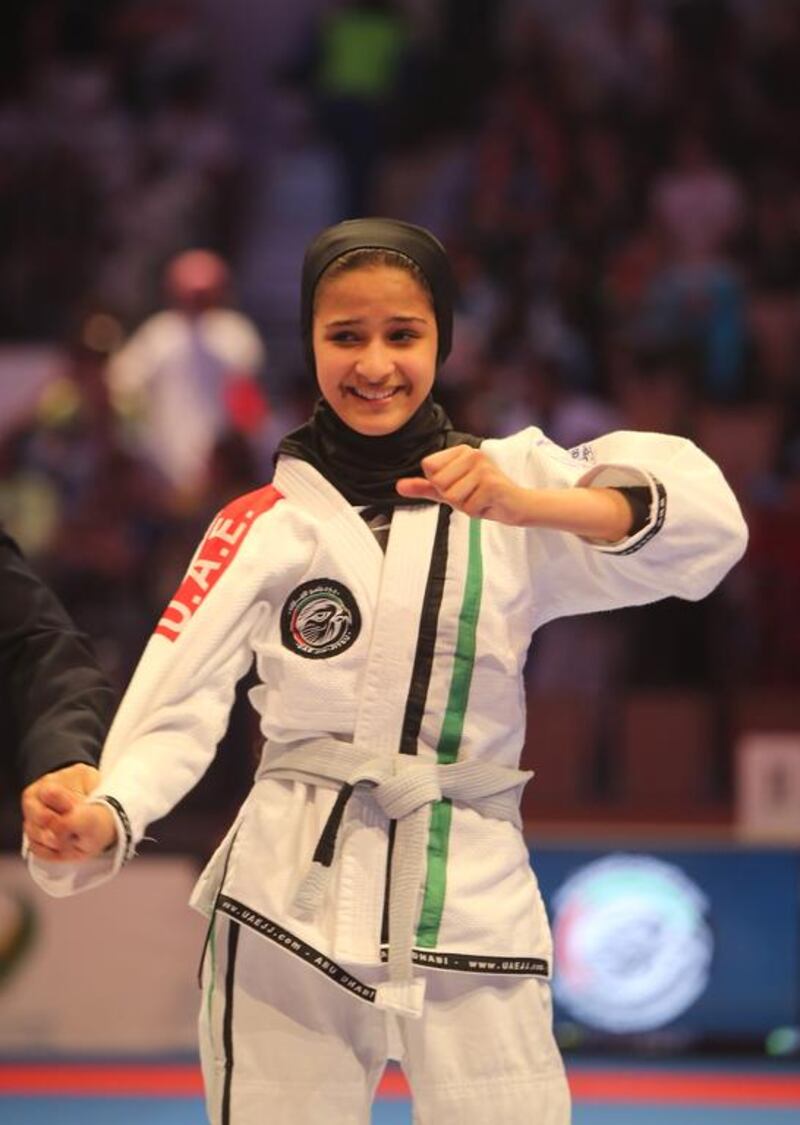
375, 427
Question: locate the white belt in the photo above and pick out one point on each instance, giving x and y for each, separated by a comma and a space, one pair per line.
402, 786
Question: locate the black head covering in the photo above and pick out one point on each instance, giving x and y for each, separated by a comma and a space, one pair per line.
365, 469
416, 243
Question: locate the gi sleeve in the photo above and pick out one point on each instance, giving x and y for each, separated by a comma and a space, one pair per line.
694, 534
176, 708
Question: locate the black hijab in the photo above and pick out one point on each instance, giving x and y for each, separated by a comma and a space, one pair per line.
365, 469
415, 243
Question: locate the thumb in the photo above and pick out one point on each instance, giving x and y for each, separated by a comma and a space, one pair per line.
416, 488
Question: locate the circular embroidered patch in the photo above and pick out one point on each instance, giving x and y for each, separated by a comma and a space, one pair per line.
320, 619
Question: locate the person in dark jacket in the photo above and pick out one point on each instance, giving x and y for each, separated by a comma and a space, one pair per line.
59, 703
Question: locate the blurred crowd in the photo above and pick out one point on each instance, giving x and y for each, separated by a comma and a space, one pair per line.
619, 191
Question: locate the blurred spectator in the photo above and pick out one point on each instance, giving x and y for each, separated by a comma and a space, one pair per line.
698, 297
92, 511
190, 373
152, 44
116, 107
520, 148
697, 201
187, 187
701, 305
773, 261
619, 55
354, 60
775, 38
467, 60
50, 238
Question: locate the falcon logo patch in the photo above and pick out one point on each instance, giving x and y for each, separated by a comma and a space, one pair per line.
320, 619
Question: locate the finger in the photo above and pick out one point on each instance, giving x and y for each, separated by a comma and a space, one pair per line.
444, 473
63, 855
478, 505
42, 838
416, 488
53, 829
436, 464
460, 494
57, 797
435, 461
40, 851
47, 792
37, 815
32, 807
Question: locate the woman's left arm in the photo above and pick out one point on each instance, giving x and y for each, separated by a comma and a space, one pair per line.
693, 533
467, 479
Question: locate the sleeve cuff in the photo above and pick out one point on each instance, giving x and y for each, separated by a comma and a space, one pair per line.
124, 849
625, 476
63, 879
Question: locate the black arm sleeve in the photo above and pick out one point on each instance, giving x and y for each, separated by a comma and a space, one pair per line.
60, 702
638, 497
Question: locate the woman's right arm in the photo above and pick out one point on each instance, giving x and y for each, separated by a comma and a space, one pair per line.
176, 708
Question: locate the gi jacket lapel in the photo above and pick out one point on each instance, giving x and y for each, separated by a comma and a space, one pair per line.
300, 482
389, 675
397, 588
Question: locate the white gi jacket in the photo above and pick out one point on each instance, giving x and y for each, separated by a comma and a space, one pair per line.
411, 657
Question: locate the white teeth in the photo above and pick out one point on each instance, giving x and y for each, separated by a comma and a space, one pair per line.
374, 396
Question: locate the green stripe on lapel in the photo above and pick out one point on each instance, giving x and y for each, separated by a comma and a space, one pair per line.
450, 741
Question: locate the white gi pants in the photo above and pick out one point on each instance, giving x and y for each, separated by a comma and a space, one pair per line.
281, 1045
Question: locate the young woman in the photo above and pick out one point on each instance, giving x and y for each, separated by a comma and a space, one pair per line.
373, 898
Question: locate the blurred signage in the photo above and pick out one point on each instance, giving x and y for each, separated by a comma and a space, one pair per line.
691, 944
111, 970
768, 786
632, 943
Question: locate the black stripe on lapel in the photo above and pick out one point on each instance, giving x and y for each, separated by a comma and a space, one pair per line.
421, 673
227, 1021
426, 639
387, 886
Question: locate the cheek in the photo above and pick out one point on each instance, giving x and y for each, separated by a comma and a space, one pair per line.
328, 366
426, 371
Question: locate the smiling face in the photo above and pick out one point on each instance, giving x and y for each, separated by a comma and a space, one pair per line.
375, 343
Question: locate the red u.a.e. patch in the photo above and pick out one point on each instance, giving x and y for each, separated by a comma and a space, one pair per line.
215, 554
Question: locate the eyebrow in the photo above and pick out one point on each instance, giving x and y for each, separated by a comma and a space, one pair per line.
360, 320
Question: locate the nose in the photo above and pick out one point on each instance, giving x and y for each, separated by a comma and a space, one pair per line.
375, 362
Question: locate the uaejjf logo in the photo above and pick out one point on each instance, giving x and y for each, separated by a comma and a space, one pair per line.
320, 619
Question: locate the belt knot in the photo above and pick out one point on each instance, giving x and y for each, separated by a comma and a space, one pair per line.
400, 785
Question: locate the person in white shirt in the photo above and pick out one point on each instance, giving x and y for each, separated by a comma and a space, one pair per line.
190, 373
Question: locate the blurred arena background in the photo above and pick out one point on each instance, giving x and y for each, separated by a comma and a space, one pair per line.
618, 184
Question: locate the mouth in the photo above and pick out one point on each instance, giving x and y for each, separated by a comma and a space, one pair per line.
378, 394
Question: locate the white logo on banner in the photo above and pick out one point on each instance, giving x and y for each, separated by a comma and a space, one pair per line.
633, 947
